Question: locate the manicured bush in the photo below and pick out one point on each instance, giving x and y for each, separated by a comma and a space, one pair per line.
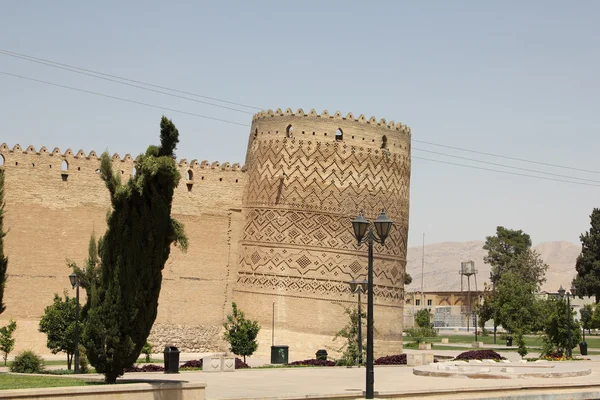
192, 364
239, 364
315, 363
479, 355
397, 359
146, 368
27, 362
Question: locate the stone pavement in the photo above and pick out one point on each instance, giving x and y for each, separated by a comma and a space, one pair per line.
390, 382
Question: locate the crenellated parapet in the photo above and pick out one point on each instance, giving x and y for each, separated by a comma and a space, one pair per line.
391, 125
69, 161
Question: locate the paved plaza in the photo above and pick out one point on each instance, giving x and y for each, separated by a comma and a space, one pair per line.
390, 382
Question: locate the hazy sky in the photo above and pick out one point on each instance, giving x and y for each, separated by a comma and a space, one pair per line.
515, 78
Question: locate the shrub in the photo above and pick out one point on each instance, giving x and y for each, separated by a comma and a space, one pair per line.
146, 368
479, 355
420, 332
423, 318
192, 364
239, 364
315, 363
397, 359
27, 362
83, 361
147, 350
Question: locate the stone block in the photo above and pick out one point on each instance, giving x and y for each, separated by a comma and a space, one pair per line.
211, 364
424, 346
508, 369
427, 358
228, 364
413, 360
475, 362
486, 369
445, 340
477, 344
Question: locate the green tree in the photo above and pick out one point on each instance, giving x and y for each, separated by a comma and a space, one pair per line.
529, 266
587, 316
521, 349
349, 350
587, 280
407, 278
556, 328
124, 287
241, 333
503, 248
596, 318
423, 318
3, 258
147, 350
58, 323
485, 309
516, 303
7, 342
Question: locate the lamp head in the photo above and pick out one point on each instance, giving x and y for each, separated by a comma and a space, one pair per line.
360, 225
353, 285
363, 285
73, 279
573, 290
561, 291
383, 225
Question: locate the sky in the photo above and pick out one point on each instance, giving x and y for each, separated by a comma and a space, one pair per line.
513, 78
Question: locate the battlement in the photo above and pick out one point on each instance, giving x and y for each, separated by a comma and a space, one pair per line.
17, 150
397, 126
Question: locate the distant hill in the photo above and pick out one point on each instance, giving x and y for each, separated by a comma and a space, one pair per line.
442, 263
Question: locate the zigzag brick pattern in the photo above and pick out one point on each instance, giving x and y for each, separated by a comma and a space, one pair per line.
308, 175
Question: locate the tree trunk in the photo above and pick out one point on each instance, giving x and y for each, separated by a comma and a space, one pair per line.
69, 360
244, 359
110, 377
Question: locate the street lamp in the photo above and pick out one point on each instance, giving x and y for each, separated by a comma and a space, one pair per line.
561, 293
364, 230
359, 287
75, 284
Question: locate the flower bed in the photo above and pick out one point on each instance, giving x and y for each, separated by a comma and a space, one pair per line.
479, 355
397, 359
315, 363
191, 364
146, 368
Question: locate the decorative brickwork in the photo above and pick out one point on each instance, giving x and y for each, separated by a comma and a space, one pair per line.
308, 176
274, 232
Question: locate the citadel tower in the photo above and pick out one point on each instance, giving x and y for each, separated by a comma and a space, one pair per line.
308, 175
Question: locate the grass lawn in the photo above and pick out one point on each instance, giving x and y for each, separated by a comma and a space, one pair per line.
141, 360
25, 382
530, 340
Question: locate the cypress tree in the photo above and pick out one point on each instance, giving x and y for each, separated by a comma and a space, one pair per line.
123, 297
3, 258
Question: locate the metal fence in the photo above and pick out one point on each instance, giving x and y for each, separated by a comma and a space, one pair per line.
444, 317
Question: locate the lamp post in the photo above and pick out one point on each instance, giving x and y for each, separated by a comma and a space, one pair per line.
75, 284
561, 293
359, 287
363, 231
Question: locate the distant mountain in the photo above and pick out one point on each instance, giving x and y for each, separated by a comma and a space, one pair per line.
442, 263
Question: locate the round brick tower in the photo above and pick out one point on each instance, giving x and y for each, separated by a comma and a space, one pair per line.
308, 176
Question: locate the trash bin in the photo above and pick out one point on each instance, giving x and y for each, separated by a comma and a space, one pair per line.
583, 348
171, 355
279, 354
321, 354
509, 340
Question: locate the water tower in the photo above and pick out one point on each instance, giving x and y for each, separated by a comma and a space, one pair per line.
467, 269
